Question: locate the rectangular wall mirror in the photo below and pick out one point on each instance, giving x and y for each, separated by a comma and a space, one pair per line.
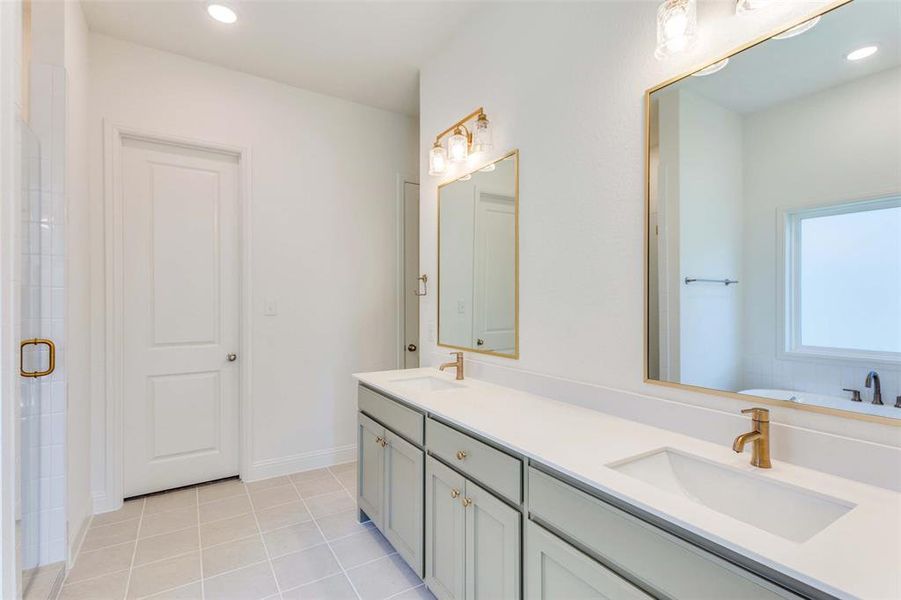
478, 260
774, 219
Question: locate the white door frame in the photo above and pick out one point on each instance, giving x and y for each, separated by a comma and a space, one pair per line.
110, 498
399, 266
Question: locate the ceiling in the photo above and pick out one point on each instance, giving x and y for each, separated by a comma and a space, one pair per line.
780, 70
365, 51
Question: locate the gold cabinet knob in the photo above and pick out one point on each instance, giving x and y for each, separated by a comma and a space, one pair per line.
384, 442
380, 441
455, 493
467, 502
461, 454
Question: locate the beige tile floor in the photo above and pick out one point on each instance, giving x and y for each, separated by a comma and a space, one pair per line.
292, 537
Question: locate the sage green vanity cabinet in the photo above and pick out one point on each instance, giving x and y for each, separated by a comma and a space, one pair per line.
403, 499
653, 558
371, 468
555, 570
445, 531
390, 488
472, 539
492, 546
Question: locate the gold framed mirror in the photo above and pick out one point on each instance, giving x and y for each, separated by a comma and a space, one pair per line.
773, 212
478, 259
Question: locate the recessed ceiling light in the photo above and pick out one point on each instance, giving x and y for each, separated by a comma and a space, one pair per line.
717, 66
797, 29
221, 13
862, 53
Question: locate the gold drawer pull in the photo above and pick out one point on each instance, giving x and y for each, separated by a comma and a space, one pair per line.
461, 455
467, 502
37, 342
455, 493
384, 442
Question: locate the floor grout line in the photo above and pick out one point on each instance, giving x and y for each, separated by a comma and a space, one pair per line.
200, 544
278, 587
134, 552
328, 545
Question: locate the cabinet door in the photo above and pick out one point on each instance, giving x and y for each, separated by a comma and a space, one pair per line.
444, 530
370, 494
554, 570
492, 547
402, 508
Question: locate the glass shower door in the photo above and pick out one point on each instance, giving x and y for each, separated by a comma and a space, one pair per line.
34, 360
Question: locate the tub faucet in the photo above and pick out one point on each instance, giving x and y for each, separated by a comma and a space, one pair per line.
873, 381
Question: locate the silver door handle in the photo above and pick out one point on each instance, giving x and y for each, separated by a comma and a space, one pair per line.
231, 357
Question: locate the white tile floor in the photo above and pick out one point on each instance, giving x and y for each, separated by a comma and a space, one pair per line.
293, 537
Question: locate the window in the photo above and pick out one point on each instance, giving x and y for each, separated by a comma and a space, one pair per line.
843, 280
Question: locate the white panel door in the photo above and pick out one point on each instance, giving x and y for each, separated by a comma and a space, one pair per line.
180, 321
494, 274
411, 275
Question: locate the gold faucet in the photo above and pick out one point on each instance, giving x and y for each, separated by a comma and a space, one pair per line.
457, 364
760, 451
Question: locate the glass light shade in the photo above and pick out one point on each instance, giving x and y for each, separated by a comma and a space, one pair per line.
481, 136
488, 168
458, 146
717, 66
437, 160
466, 177
743, 7
797, 29
677, 27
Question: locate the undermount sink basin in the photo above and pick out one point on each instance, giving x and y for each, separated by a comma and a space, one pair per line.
785, 510
426, 383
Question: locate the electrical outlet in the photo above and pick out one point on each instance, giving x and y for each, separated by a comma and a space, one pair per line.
461, 307
270, 307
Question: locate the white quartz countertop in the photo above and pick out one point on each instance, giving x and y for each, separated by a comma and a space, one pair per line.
857, 556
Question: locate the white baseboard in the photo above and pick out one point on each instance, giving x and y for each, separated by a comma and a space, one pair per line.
101, 503
306, 461
75, 543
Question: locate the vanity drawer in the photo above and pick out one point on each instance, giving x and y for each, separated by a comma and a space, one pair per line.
649, 556
491, 467
393, 415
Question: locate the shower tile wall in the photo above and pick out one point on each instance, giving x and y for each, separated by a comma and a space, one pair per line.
43, 315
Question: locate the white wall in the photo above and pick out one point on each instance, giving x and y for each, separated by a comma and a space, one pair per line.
564, 83
78, 282
324, 181
838, 145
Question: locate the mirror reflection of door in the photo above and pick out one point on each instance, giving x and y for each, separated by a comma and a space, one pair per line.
410, 300
494, 273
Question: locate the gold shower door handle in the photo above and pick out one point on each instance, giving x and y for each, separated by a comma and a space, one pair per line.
37, 342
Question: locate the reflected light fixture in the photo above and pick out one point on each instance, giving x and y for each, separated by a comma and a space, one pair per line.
798, 29
717, 66
488, 168
862, 53
743, 7
462, 142
677, 27
222, 13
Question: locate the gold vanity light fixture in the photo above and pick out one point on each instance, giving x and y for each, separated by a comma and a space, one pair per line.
677, 27
461, 142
